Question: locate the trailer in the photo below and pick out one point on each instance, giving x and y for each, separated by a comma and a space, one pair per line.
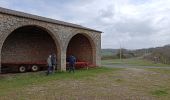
24, 66
36, 66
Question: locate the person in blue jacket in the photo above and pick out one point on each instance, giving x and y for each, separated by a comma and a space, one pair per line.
72, 61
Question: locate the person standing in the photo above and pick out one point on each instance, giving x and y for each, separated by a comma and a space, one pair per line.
54, 62
72, 61
49, 65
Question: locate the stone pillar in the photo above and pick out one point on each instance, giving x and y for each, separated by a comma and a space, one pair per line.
62, 61
98, 59
98, 50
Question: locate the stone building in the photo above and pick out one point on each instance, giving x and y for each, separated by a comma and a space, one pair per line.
27, 37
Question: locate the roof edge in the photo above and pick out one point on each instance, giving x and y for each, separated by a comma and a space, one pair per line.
44, 19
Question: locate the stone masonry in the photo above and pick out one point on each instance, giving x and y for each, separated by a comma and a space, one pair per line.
61, 32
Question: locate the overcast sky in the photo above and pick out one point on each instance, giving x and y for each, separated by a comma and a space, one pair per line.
133, 24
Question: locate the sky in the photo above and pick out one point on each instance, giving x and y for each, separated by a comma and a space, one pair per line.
130, 24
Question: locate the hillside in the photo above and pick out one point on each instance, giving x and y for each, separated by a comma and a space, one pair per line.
108, 52
114, 53
161, 54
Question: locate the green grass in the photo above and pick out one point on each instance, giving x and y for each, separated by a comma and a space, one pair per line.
119, 80
89, 84
134, 62
160, 92
19, 81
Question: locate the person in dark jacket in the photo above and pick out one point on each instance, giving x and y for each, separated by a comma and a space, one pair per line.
72, 61
54, 62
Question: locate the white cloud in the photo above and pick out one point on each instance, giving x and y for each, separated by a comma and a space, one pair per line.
133, 23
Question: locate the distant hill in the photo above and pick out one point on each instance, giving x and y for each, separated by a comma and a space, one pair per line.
162, 53
114, 53
107, 52
138, 52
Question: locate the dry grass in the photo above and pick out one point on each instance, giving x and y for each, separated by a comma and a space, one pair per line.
125, 84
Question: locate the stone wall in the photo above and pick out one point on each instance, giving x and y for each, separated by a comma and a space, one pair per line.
27, 45
80, 47
61, 35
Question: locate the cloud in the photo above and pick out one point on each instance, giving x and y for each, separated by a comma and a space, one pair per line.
131, 23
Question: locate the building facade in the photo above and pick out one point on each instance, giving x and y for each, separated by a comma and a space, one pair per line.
27, 37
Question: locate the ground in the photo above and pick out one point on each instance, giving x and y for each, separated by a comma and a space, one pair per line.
94, 84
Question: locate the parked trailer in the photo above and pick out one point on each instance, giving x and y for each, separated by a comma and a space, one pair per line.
36, 66
24, 66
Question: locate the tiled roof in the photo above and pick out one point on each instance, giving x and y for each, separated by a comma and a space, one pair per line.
35, 17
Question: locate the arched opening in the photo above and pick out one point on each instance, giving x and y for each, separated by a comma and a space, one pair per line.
82, 48
28, 45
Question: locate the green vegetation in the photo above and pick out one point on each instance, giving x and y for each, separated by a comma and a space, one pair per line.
160, 92
16, 81
97, 83
160, 54
162, 87
119, 80
108, 52
115, 54
133, 62
109, 57
157, 54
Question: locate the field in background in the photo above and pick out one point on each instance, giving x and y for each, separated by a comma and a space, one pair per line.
133, 62
157, 54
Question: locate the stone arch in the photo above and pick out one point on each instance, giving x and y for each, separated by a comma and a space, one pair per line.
90, 43
40, 26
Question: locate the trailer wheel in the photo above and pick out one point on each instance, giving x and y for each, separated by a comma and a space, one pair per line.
22, 69
34, 68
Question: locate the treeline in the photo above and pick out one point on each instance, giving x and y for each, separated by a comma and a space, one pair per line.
160, 55
157, 54
116, 53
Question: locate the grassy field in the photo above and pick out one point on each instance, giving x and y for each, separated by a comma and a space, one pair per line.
10, 82
133, 62
93, 84
161, 89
